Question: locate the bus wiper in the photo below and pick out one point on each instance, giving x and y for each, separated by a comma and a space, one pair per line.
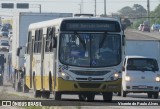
83, 42
102, 42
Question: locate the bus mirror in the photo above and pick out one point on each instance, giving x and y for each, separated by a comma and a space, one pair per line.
18, 50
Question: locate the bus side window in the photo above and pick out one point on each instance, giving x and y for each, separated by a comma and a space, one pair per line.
40, 40
52, 41
36, 41
29, 42
49, 39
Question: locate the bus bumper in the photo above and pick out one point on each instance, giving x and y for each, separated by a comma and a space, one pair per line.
76, 86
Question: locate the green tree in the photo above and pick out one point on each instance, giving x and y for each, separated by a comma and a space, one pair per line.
126, 11
139, 10
132, 12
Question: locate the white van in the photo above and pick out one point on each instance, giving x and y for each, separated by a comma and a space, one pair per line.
140, 75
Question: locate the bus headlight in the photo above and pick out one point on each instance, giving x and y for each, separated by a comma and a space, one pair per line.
0, 74
65, 76
127, 78
158, 79
116, 75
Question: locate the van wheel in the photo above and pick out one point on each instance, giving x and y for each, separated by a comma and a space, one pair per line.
156, 94
107, 96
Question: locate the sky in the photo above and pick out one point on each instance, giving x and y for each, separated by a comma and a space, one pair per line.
73, 6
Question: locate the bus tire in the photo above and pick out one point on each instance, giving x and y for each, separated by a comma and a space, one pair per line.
46, 94
119, 93
149, 95
57, 95
82, 97
107, 96
90, 97
156, 94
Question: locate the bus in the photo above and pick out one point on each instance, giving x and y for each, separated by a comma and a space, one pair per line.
79, 55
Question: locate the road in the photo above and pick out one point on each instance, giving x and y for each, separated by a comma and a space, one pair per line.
132, 34
8, 93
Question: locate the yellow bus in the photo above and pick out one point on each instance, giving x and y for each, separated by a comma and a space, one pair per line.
79, 55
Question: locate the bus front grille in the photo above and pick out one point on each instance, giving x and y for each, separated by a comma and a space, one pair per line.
90, 73
89, 85
93, 79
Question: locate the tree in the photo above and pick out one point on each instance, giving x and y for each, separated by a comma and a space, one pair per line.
126, 11
139, 10
136, 11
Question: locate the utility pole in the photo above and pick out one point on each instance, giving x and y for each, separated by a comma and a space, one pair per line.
95, 7
105, 8
148, 11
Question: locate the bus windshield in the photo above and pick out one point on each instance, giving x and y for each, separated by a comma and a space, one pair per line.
90, 49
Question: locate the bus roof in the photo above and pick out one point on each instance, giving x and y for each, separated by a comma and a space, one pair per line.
59, 20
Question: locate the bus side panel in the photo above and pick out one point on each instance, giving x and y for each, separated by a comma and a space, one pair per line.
27, 57
37, 69
48, 68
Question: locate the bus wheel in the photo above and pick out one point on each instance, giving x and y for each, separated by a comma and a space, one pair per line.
156, 95
107, 96
119, 93
57, 95
46, 94
149, 95
90, 97
82, 97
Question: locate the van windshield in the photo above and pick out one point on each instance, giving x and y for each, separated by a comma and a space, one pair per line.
142, 64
